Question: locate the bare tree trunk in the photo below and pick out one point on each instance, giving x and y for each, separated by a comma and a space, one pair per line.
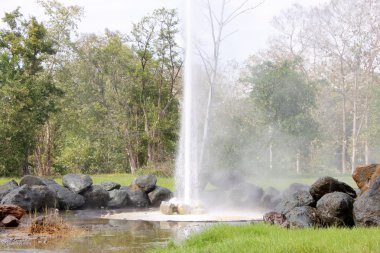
298, 162
344, 137
366, 145
25, 168
354, 129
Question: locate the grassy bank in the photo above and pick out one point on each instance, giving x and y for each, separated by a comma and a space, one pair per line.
267, 238
168, 182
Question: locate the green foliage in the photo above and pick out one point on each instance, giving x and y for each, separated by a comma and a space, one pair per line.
27, 94
269, 238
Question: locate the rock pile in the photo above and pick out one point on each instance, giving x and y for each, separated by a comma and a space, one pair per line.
329, 202
78, 192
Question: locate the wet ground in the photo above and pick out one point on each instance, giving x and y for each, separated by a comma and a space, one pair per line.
107, 235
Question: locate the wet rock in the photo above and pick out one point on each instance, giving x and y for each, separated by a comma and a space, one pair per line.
367, 206
13, 210
31, 180
109, 186
24, 197
118, 198
297, 199
147, 183
326, 185
168, 208
48, 181
335, 209
303, 216
96, 197
67, 199
158, 195
364, 176
10, 221
77, 183
183, 209
7, 188
295, 187
246, 195
47, 197
274, 218
138, 197
271, 198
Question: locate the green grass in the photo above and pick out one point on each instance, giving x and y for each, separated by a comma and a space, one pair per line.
267, 238
121, 178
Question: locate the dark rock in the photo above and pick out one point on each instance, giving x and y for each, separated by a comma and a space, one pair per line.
295, 187
303, 216
326, 185
13, 210
246, 195
118, 198
297, 199
10, 221
32, 180
335, 209
47, 197
48, 181
96, 197
23, 197
364, 176
274, 218
77, 183
367, 206
147, 183
67, 199
109, 186
137, 196
7, 188
271, 198
158, 195
223, 178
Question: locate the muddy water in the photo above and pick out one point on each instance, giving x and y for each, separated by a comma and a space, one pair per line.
104, 235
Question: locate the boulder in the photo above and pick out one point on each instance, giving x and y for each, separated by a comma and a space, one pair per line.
48, 181
367, 206
47, 197
24, 197
326, 185
271, 198
118, 198
109, 186
10, 221
168, 208
274, 218
364, 176
7, 188
246, 195
295, 187
297, 199
137, 196
158, 195
303, 216
96, 197
77, 183
67, 199
32, 180
13, 210
335, 209
147, 183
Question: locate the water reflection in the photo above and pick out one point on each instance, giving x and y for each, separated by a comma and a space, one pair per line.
110, 235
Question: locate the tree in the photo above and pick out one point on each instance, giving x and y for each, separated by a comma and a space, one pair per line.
286, 98
27, 93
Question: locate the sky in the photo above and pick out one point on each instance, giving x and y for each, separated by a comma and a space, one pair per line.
253, 29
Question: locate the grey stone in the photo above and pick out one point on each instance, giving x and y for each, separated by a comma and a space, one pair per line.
158, 195
7, 188
303, 216
297, 199
77, 183
109, 186
147, 183
118, 198
67, 199
335, 209
326, 185
96, 197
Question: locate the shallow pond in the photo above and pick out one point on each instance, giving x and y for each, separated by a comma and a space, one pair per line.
108, 235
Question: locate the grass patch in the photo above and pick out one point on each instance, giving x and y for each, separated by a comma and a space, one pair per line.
266, 238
